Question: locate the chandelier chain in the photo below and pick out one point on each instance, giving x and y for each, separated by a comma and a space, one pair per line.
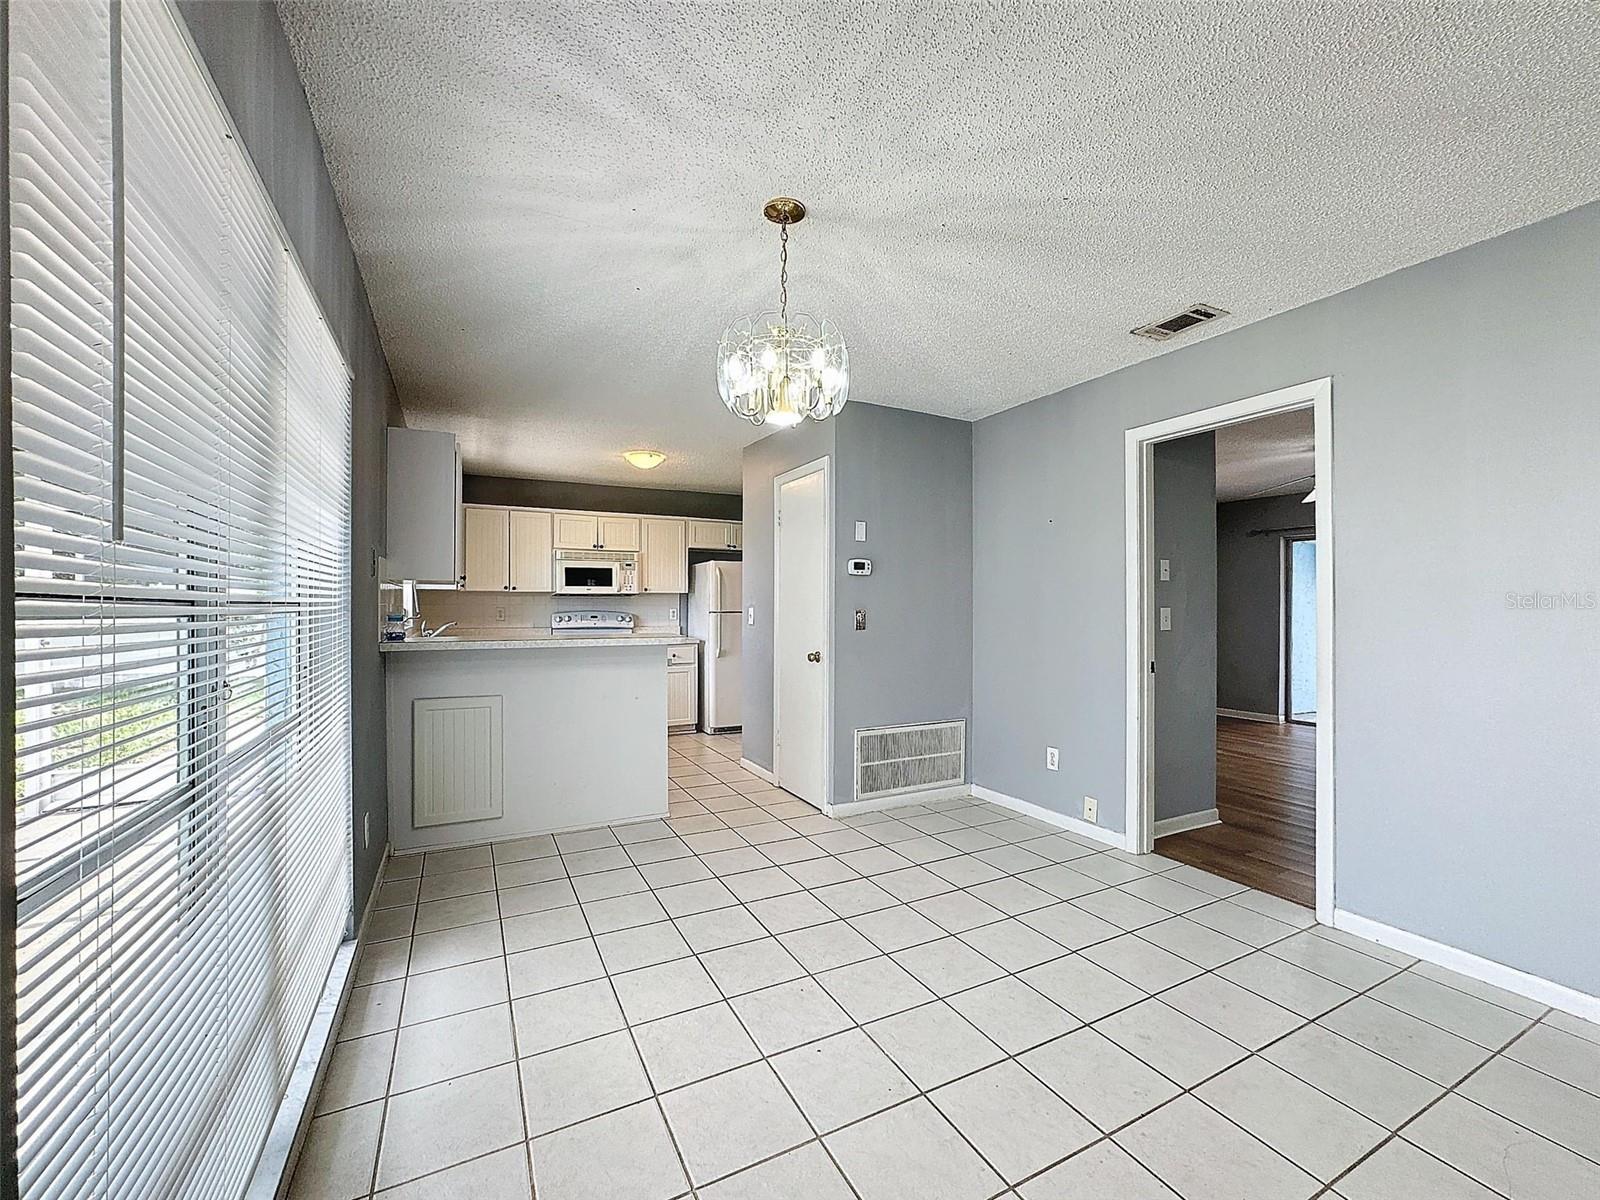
783, 273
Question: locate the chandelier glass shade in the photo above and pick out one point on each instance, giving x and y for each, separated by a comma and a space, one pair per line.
781, 368
780, 371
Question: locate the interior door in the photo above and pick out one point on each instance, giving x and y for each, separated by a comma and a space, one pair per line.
801, 637
487, 534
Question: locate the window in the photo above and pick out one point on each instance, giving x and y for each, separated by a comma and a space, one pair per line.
181, 461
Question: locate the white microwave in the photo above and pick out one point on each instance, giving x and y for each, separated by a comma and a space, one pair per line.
595, 572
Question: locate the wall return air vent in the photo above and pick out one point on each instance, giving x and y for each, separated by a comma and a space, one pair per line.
1195, 314
910, 758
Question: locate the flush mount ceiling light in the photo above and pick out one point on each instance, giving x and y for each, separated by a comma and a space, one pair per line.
776, 368
645, 460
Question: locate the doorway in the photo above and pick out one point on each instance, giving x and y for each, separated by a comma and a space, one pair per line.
802, 652
1315, 741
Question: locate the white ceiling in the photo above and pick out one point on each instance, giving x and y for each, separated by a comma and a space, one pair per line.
1269, 456
556, 205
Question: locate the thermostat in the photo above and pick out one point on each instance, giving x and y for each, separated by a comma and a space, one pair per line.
860, 566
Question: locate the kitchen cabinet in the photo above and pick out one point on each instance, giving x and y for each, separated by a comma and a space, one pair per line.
577, 531
593, 531
424, 541
664, 565
530, 551
488, 549
507, 549
619, 533
683, 687
716, 535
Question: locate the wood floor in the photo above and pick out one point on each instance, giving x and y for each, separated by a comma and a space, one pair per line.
1267, 799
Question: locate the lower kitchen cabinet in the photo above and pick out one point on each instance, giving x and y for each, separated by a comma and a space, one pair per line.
683, 687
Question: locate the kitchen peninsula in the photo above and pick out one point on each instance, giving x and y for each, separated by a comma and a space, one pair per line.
496, 734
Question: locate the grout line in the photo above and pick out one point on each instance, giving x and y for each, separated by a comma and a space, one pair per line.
739, 903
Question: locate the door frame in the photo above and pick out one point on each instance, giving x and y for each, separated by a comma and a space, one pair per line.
815, 465
1138, 477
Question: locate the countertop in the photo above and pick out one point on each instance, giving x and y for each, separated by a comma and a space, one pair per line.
502, 639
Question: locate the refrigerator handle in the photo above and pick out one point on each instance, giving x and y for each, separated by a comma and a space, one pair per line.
714, 602
712, 649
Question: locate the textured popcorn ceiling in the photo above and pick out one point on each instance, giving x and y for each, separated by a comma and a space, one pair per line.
557, 205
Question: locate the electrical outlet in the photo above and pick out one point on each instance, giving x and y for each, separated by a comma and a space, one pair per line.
500, 615
1166, 570
1166, 620
1091, 806
672, 614
366, 830
1052, 759
861, 619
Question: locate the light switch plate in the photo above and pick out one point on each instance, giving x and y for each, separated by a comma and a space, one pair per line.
1166, 620
750, 618
861, 619
1166, 570
861, 531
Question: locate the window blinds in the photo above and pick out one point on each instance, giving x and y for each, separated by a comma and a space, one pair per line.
182, 619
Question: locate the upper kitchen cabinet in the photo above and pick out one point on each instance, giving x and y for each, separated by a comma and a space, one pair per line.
531, 538
488, 554
663, 554
507, 549
619, 533
423, 477
577, 531
716, 535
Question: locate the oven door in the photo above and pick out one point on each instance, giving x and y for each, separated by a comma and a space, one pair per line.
588, 578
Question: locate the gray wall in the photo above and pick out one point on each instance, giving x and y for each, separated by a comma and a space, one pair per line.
909, 476
1184, 532
244, 49
1250, 599
598, 497
764, 461
1466, 428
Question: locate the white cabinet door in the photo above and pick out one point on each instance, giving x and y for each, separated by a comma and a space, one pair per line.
619, 533
665, 558
735, 535
577, 531
713, 535
530, 551
488, 547
682, 694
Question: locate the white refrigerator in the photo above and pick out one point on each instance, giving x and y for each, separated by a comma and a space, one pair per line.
716, 617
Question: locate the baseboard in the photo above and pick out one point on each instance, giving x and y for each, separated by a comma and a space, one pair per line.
1243, 714
759, 772
281, 1152
1188, 821
851, 807
1556, 995
1050, 817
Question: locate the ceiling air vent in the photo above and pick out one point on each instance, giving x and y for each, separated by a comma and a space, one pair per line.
1195, 314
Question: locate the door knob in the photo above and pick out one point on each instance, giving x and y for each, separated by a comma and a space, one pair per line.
814, 656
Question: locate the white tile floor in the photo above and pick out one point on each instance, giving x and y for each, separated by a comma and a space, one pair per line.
751, 1000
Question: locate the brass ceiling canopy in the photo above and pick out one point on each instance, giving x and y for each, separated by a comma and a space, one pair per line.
784, 210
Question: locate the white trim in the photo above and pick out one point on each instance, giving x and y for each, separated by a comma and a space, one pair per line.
899, 800
1188, 821
1050, 817
1242, 714
817, 464
1137, 502
1556, 995
758, 771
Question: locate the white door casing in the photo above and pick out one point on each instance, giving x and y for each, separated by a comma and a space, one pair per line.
802, 653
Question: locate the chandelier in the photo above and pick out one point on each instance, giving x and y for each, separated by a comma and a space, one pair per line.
778, 368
